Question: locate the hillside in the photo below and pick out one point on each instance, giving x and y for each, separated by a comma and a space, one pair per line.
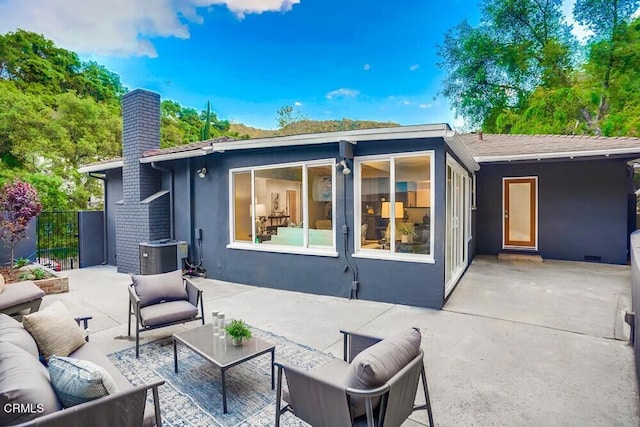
310, 126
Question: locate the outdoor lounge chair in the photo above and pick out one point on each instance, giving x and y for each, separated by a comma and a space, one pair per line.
20, 296
159, 300
375, 385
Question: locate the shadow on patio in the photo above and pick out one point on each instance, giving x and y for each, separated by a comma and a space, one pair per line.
516, 344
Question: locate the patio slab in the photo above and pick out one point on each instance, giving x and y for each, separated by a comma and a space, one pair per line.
487, 364
586, 298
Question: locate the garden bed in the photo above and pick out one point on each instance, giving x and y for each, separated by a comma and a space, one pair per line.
51, 284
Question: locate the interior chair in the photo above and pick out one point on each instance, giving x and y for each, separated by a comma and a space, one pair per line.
159, 300
374, 385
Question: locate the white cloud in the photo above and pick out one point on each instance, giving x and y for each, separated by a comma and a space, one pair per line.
297, 104
414, 67
118, 27
366, 67
425, 105
343, 93
405, 102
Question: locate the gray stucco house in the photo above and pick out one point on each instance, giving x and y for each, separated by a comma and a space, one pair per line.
393, 214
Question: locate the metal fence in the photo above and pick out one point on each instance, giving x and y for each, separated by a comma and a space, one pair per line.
57, 240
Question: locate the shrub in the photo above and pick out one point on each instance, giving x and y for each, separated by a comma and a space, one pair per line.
19, 203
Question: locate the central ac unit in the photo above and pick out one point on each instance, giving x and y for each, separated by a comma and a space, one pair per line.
162, 256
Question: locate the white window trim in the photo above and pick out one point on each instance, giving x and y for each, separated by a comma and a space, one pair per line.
357, 209
274, 248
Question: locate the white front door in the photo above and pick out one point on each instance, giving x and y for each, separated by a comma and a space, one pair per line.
457, 217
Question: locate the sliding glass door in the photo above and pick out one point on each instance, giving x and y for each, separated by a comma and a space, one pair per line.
457, 218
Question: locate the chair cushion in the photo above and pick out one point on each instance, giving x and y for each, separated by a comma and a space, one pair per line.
167, 312
375, 365
55, 330
18, 293
23, 381
155, 288
77, 381
12, 331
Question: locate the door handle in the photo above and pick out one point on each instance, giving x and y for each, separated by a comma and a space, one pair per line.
506, 214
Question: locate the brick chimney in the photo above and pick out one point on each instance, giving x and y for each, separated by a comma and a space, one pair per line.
479, 135
139, 217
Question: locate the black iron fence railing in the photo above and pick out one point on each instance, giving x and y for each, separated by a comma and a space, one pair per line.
57, 240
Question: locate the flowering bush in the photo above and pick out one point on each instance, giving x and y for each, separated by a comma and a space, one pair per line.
19, 203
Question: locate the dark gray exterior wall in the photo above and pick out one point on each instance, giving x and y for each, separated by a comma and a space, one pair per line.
91, 242
113, 194
582, 208
26, 248
203, 203
136, 221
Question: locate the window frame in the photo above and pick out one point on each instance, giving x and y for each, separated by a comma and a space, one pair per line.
329, 251
357, 207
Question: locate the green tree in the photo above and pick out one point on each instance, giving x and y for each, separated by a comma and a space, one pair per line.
518, 46
287, 115
608, 20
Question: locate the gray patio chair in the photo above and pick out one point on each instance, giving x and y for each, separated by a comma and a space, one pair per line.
323, 397
19, 297
159, 300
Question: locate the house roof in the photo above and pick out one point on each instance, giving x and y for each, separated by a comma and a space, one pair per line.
501, 148
221, 145
102, 165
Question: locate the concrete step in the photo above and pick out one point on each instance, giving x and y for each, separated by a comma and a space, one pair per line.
519, 256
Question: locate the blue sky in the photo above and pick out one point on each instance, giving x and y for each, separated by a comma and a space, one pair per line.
330, 59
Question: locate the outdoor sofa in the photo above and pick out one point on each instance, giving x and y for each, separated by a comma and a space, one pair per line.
18, 297
34, 395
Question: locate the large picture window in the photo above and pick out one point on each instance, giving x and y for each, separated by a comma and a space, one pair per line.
284, 207
394, 205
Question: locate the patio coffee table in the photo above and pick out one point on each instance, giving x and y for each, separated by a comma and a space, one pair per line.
221, 352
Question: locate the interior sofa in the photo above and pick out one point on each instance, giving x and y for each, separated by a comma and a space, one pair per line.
293, 236
28, 397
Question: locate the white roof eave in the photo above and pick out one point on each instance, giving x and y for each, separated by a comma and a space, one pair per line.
558, 155
458, 147
101, 167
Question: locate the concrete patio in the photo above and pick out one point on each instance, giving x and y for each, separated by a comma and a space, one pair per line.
517, 343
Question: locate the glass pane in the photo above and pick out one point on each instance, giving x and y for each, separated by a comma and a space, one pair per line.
242, 206
520, 212
412, 208
320, 196
279, 190
375, 206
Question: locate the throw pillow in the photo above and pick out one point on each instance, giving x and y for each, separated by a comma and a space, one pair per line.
24, 382
377, 364
77, 381
55, 330
156, 288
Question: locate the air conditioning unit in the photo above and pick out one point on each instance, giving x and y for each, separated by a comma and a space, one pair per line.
162, 256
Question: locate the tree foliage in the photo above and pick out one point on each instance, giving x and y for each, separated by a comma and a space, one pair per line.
19, 203
518, 46
521, 71
288, 115
58, 113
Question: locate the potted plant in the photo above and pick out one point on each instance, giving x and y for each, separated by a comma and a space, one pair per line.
407, 231
238, 330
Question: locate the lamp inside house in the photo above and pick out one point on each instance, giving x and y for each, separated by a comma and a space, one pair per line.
398, 208
261, 214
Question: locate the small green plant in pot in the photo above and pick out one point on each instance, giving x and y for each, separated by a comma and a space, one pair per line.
238, 330
407, 231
